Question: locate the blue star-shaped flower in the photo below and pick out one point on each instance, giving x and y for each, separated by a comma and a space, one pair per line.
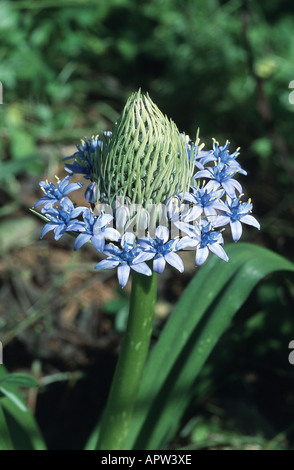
204, 199
62, 219
162, 250
86, 158
203, 236
221, 154
125, 258
235, 212
54, 194
223, 175
95, 230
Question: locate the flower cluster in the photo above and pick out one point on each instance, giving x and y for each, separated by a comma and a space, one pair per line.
152, 193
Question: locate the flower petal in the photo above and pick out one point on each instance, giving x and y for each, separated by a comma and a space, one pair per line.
187, 228
103, 220
78, 211
143, 256
250, 220
202, 174
47, 228
107, 263
111, 249
81, 239
71, 187
98, 242
229, 188
201, 255
162, 233
175, 260
186, 242
128, 240
123, 272
158, 264
221, 221
111, 234
236, 228
142, 268
145, 243
219, 251
59, 231
194, 213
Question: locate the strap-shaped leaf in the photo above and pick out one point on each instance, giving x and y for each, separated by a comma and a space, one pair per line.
202, 315
5, 440
19, 424
19, 380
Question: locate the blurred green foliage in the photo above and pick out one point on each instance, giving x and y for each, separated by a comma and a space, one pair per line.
67, 68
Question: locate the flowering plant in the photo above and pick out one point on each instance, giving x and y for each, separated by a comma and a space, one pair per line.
148, 186
151, 193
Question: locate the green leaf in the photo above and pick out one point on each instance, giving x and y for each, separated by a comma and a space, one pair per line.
203, 313
20, 422
18, 402
16, 380
19, 380
5, 439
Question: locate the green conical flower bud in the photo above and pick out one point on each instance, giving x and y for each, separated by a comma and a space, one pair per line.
146, 161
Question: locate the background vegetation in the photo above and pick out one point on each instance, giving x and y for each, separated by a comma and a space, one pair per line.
67, 68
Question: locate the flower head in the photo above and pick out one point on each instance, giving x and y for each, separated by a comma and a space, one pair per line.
88, 156
96, 230
205, 201
126, 257
162, 249
235, 213
205, 238
62, 219
144, 203
55, 194
223, 175
146, 160
221, 154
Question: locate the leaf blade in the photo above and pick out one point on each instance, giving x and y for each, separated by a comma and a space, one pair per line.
203, 313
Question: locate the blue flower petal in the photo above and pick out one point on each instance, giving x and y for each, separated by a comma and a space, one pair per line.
72, 187
250, 220
143, 256
201, 255
219, 251
142, 268
123, 272
159, 264
78, 211
128, 240
107, 263
98, 242
175, 260
111, 234
59, 231
81, 240
236, 228
162, 233
186, 242
47, 228
103, 220
194, 213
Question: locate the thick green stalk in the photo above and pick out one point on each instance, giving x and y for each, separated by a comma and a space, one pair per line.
132, 358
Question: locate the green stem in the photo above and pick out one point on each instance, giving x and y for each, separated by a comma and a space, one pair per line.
132, 358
